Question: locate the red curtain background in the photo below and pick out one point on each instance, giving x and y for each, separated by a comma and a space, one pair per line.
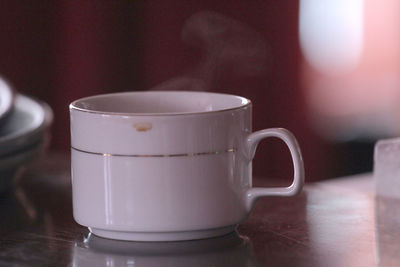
59, 51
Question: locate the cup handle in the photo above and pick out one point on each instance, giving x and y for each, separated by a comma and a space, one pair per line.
252, 141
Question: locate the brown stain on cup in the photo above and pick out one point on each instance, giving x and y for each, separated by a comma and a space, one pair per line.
143, 126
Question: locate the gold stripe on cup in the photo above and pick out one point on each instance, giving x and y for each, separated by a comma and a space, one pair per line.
230, 150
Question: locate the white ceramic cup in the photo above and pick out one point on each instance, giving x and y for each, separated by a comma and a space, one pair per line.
158, 166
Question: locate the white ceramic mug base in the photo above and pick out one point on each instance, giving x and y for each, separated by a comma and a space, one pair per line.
162, 236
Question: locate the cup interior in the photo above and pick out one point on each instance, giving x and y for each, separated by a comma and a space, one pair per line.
159, 103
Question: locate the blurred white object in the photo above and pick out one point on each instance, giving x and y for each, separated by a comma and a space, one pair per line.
387, 168
331, 34
6, 99
351, 65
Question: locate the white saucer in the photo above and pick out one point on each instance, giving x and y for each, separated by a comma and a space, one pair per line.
25, 125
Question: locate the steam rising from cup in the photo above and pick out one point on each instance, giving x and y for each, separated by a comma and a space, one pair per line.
226, 45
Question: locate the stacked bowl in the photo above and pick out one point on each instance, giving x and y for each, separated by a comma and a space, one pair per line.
24, 124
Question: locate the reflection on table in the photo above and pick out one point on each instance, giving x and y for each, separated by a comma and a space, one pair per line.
228, 250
